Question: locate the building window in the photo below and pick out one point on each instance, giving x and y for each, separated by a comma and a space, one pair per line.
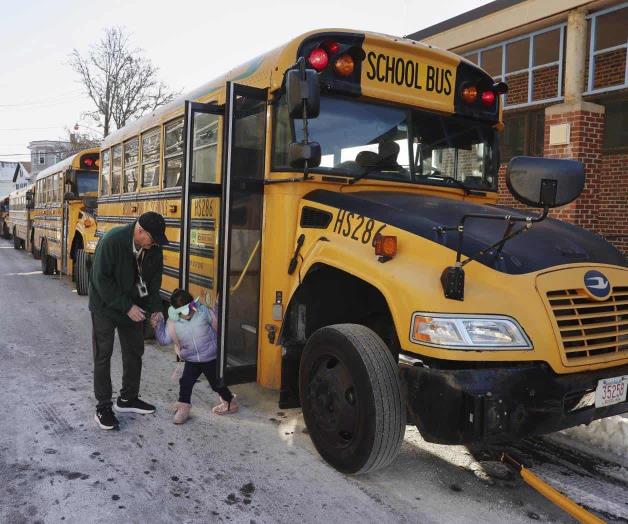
523, 134
531, 65
41, 158
608, 46
616, 126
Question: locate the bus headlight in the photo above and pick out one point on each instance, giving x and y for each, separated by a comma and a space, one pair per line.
468, 332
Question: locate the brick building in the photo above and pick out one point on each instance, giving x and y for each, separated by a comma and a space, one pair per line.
565, 65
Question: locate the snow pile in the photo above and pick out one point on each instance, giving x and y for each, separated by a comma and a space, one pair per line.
608, 435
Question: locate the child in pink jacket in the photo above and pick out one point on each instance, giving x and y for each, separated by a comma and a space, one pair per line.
191, 326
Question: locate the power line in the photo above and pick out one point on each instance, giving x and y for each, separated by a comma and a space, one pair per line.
28, 128
44, 100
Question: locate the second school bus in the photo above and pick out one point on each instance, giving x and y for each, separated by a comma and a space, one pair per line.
363, 268
5, 231
64, 216
19, 220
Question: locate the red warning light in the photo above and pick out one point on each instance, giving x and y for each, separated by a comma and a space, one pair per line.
318, 59
488, 98
89, 162
332, 47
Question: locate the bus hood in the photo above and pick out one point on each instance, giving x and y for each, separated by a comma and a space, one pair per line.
547, 244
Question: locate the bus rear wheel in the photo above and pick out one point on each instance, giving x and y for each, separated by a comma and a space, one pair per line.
48, 263
82, 274
17, 243
351, 397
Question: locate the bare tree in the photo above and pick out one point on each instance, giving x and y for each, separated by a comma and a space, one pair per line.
78, 141
121, 81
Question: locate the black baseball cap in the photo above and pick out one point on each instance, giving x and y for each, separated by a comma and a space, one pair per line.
155, 225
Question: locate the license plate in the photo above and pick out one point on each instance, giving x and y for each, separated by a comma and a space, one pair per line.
611, 391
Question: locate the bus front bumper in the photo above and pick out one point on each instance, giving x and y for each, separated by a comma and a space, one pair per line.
499, 403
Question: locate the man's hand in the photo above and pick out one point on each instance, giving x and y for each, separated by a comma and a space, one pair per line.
136, 314
156, 318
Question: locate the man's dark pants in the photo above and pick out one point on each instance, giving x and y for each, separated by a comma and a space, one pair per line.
132, 344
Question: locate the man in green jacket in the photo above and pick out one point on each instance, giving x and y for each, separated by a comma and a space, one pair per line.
124, 289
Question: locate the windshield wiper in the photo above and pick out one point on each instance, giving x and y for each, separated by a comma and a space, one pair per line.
365, 172
449, 179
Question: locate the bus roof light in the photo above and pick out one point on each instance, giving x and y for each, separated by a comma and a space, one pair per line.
469, 94
488, 98
89, 162
318, 59
344, 65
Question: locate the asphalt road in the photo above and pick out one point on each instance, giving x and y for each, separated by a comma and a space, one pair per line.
56, 465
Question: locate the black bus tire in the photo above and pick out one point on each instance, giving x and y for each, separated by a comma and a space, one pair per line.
352, 398
82, 274
47, 262
17, 243
34, 251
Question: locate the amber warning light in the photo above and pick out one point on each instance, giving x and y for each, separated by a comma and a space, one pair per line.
385, 246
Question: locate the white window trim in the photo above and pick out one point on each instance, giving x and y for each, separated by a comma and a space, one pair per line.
592, 53
530, 69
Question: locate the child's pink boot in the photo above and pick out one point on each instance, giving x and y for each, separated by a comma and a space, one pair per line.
226, 408
182, 413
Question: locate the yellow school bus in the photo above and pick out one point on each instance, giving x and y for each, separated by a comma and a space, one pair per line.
19, 220
5, 232
64, 217
338, 196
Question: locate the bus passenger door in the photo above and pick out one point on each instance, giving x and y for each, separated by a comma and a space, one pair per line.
201, 197
241, 233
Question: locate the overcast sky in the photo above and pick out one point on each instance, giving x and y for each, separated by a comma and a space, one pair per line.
191, 41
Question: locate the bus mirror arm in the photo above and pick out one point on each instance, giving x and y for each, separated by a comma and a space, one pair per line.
303, 94
452, 277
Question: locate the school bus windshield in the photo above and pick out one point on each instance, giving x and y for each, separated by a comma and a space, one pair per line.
358, 137
87, 182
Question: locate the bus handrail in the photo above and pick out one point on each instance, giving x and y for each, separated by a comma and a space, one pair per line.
245, 269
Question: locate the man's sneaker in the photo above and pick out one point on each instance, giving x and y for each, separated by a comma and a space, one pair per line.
105, 418
133, 406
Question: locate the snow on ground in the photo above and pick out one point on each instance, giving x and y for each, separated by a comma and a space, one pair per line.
606, 438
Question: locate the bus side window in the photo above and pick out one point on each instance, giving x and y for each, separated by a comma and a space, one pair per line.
173, 154
205, 146
104, 173
151, 146
131, 151
116, 169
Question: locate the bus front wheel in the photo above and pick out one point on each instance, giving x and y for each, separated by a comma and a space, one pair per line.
48, 263
34, 251
82, 274
351, 396
17, 243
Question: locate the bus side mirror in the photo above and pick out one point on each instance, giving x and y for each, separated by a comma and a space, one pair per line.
304, 101
544, 182
299, 153
302, 87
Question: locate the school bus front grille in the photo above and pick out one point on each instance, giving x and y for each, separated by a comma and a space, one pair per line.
591, 331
